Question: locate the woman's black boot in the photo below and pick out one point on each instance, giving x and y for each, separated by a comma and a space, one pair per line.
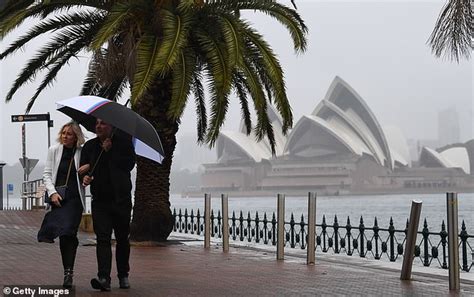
68, 274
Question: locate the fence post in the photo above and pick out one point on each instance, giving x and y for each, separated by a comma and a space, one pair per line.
310, 257
207, 220
411, 240
281, 227
225, 222
453, 250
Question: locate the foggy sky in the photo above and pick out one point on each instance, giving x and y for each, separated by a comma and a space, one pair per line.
379, 48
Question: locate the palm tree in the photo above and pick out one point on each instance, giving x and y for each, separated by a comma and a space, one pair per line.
165, 51
453, 32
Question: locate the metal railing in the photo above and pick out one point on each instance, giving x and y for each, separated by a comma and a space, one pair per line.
32, 197
32, 193
364, 241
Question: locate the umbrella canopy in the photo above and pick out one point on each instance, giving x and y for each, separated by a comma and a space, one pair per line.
86, 109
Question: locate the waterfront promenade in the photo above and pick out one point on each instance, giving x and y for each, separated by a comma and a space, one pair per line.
182, 267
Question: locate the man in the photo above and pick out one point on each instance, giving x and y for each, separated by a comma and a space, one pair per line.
111, 157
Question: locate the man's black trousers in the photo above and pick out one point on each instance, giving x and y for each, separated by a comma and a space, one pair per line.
107, 217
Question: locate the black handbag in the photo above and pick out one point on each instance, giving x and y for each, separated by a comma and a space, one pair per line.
61, 190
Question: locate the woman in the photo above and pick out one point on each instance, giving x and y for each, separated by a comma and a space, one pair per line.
65, 215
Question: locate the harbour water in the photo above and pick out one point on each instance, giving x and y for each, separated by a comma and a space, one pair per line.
381, 206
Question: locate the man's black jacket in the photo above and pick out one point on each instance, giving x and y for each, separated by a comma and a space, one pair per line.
112, 172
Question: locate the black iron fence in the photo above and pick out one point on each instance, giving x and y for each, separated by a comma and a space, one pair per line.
353, 240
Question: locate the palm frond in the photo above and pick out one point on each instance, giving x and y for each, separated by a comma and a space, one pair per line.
49, 78
61, 21
115, 18
175, 36
111, 62
219, 106
60, 6
61, 57
50, 53
453, 32
91, 86
200, 102
181, 83
272, 74
287, 16
145, 72
252, 83
113, 90
230, 31
263, 127
293, 22
13, 16
13, 6
241, 91
12, 22
216, 58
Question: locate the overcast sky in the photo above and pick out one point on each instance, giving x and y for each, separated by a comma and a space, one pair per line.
378, 47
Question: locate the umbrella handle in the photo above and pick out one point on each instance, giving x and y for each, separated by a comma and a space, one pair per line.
95, 164
98, 158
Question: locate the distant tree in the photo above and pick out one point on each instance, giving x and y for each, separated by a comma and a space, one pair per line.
453, 32
164, 51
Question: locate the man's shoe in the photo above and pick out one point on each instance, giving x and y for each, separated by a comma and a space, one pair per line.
100, 284
124, 283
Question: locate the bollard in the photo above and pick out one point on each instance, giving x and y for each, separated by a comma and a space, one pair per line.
281, 227
225, 222
311, 247
453, 251
207, 220
411, 240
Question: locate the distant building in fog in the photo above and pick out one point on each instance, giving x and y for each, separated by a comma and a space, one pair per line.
448, 127
338, 149
415, 147
189, 155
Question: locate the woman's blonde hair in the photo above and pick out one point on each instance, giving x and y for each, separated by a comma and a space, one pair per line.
77, 131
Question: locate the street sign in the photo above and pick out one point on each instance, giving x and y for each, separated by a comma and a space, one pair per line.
22, 118
10, 188
28, 164
30, 117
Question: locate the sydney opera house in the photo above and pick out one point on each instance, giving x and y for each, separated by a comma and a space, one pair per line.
340, 148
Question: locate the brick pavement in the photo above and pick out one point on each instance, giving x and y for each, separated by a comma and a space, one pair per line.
183, 267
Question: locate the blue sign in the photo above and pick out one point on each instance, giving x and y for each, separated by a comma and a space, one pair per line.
10, 188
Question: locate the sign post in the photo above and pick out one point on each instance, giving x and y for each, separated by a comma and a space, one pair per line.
1, 184
29, 164
24, 160
42, 117
49, 124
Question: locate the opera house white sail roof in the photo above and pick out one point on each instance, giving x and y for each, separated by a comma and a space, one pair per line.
454, 157
341, 123
232, 146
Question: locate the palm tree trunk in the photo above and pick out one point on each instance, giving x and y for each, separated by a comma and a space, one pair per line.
152, 218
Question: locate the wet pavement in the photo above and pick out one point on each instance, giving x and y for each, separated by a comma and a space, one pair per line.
182, 267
